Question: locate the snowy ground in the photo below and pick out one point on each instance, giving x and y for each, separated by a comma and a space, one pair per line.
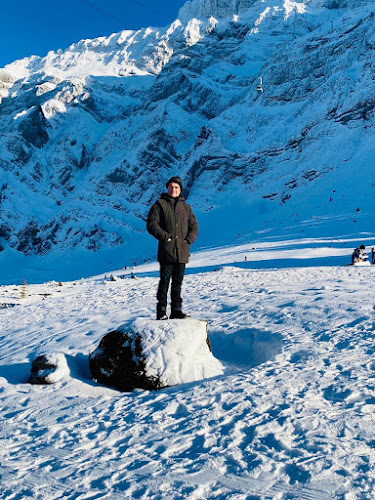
291, 418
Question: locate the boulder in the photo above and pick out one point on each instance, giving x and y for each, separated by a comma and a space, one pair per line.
48, 369
150, 354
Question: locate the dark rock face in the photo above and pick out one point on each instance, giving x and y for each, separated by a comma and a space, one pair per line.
118, 362
41, 368
29, 238
33, 128
4, 232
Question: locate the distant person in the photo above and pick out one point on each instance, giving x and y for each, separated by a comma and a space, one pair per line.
373, 255
359, 255
172, 222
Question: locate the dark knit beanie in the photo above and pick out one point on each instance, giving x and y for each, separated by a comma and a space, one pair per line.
175, 179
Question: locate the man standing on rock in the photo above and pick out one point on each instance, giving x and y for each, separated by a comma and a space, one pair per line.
172, 222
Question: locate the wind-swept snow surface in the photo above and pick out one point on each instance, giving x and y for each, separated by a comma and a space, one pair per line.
291, 417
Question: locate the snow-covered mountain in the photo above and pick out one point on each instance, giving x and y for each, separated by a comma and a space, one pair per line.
90, 134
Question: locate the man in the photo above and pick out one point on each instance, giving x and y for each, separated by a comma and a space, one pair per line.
359, 255
172, 222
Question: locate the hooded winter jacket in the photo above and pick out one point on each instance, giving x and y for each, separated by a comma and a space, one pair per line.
172, 222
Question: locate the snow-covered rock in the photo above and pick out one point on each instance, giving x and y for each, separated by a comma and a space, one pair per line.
49, 369
362, 263
150, 354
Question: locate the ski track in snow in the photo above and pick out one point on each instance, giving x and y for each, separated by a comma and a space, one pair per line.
292, 417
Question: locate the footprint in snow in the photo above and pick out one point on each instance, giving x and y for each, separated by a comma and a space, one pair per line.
228, 308
336, 394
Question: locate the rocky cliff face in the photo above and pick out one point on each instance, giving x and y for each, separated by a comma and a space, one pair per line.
90, 134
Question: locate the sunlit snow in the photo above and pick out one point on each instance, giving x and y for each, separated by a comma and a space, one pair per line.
291, 417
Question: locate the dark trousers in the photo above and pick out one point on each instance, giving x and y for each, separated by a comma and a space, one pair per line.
176, 271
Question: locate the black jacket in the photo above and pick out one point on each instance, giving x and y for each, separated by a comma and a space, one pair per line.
172, 222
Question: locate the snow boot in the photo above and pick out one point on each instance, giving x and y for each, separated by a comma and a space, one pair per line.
161, 314
164, 317
178, 315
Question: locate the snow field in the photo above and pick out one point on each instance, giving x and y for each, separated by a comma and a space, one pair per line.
292, 416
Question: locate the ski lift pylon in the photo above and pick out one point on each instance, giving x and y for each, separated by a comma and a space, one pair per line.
260, 86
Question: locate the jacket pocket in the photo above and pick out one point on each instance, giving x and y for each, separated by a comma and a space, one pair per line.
185, 251
170, 250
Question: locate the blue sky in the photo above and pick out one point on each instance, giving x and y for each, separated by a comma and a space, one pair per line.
33, 28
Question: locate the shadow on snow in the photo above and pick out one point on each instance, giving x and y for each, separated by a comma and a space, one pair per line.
246, 348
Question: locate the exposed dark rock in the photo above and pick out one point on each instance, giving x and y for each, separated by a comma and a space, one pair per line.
48, 369
119, 362
270, 196
119, 176
21, 154
334, 4
83, 161
311, 175
166, 87
29, 239
5, 231
36, 173
41, 367
33, 128
66, 176
202, 137
90, 106
360, 111
285, 197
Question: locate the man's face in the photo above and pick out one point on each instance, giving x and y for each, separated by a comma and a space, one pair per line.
174, 189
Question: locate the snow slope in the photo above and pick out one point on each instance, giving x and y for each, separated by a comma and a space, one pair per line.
91, 133
292, 416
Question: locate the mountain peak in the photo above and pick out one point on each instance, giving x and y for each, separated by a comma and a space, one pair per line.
228, 8
215, 8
